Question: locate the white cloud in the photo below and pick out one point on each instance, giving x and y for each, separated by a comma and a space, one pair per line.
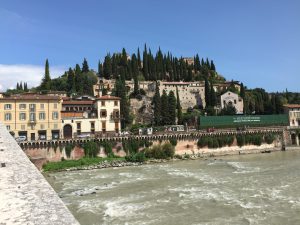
32, 74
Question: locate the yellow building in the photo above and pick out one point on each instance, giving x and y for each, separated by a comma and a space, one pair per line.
31, 116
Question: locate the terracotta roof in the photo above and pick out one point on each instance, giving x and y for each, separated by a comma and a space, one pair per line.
292, 106
108, 97
31, 97
78, 102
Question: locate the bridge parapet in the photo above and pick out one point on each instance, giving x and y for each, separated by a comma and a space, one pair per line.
25, 195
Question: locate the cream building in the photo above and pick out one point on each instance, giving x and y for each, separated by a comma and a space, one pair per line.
190, 93
31, 116
294, 114
232, 99
91, 117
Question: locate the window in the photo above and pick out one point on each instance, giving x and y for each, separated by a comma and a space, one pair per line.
92, 127
78, 126
42, 116
22, 116
7, 106
32, 116
7, 116
103, 126
42, 106
8, 127
55, 115
55, 105
103, 113
32, 107
116, 103
22, 106
102, 103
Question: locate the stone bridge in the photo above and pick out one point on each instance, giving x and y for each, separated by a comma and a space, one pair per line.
25, 195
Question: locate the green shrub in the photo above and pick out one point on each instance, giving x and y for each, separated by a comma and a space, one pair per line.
168, 150
269, 138
91, 149
136, 157
68, 150
173, 141
240, 140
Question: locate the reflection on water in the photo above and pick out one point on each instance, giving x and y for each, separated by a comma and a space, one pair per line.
251, 189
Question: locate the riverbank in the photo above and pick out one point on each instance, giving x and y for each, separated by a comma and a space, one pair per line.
101, 163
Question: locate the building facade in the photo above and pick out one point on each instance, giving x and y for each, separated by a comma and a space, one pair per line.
190, 93
293, 110
232, 99
84, 117
32, 116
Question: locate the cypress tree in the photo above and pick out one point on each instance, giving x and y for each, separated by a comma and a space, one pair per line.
18, 86
107, 67
46, 82
99, 69
145, 63
21, 86
139, 59
212, 65
25, 87
213, 97
190, 75
242, 92
157, 106
207, 93
71, 81
85, 66
172, 108
179, 110
164, 109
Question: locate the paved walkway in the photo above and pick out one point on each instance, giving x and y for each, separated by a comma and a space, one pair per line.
25, 196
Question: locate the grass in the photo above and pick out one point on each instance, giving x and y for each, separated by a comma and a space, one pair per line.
57, 166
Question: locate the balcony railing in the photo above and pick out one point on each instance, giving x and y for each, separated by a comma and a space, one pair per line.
115, 116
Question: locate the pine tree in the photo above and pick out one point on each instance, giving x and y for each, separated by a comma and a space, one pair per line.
85, 66
46, 82
164, 109
157, 106
207, 93
179, 110
172, 108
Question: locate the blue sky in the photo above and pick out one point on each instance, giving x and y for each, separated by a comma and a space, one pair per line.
254, 41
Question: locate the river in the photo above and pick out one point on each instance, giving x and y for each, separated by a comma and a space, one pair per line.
245, 189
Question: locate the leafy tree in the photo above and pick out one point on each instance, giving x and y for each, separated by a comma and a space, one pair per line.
213, 97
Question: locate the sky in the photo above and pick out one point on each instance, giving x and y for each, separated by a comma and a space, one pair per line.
254, 41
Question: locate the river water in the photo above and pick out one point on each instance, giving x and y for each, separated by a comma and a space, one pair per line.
246, 189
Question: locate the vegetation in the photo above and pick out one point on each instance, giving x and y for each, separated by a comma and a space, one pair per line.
215, 142
164, 151
64, 164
